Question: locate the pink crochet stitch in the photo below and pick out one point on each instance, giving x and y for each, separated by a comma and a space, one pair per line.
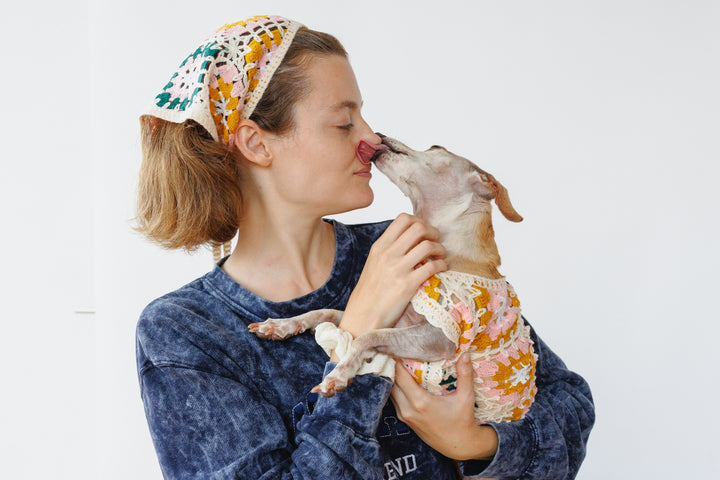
482, 317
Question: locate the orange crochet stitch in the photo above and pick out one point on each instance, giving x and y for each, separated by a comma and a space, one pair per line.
482, 317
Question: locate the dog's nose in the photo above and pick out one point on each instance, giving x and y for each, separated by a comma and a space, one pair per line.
379, 134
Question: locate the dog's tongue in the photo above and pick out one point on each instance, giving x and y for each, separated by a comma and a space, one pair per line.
365, 151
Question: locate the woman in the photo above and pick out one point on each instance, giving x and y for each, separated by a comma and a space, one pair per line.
258, 133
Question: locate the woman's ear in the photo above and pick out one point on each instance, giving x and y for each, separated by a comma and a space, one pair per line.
251, 141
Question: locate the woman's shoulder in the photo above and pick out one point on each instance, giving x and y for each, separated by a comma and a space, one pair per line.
353, 242
377, 227
364, 233
180, 325
189, 299
196, 328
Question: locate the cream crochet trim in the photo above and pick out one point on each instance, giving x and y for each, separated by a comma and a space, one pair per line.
454, 287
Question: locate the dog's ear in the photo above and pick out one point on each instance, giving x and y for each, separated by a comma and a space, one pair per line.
487, 187
502, 200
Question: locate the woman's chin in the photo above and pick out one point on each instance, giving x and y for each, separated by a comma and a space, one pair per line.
369, 197
362, 201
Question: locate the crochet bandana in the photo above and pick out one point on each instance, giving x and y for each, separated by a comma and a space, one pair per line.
482, 317
224, 78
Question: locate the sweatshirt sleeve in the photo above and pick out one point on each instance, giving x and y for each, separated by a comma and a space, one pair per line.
550, 442
208, 426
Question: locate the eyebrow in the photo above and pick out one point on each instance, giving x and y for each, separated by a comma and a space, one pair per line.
346, 104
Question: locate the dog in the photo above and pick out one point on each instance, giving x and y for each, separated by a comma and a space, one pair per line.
469, 308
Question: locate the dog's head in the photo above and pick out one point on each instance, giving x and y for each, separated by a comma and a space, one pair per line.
437, 175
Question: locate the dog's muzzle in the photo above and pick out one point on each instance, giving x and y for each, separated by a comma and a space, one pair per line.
390, 143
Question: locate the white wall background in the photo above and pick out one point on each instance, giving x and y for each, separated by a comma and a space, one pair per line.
601, 117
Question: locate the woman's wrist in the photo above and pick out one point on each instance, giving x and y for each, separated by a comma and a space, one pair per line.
483, 444
354, 323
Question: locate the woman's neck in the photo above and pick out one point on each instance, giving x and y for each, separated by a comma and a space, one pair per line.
281, 256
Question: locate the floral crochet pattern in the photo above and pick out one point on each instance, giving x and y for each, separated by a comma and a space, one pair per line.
224, 78
482, 317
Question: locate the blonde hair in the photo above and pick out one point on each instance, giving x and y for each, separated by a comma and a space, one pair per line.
189, 185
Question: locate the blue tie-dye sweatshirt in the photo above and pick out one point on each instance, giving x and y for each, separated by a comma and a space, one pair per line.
222, 403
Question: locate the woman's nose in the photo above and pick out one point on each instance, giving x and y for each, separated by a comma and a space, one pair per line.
376, 140
370, 136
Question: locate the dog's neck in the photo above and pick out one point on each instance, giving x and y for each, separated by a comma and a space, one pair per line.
467, 234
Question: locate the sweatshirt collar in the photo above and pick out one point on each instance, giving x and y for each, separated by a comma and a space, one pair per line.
332, 294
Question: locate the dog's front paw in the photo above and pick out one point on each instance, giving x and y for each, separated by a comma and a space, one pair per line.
275, 328
331, 385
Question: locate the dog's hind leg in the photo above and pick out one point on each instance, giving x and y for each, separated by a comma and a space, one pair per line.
282, 328
422, 342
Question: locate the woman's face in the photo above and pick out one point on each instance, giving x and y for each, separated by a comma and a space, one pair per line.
315, 166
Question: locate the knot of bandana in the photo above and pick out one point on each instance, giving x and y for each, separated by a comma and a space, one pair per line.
225, 77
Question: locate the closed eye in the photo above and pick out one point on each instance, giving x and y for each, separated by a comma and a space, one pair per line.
434, 147
348, 126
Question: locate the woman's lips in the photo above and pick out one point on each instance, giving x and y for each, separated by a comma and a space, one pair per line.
365, 151
365, 172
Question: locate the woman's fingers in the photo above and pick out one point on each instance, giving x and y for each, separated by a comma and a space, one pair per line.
411, 399
414, 243
403, 379
445, 422
398, 226
415, 233
404, 256
424, 251
408, 253
405, 232
403, 382
465, 375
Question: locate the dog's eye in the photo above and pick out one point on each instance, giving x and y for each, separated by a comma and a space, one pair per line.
434, 147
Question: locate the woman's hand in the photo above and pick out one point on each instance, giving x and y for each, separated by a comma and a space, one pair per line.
445, 422
406, 255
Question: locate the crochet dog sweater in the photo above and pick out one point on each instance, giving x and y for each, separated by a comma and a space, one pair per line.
481, 316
